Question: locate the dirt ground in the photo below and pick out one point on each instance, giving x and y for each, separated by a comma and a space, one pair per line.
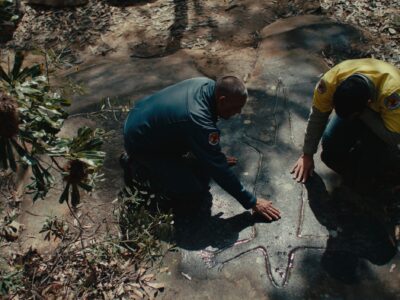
211, 32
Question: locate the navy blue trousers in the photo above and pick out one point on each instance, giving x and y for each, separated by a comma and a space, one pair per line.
176, 176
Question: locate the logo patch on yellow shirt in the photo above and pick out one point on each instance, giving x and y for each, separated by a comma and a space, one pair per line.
321, 87
213, 138
393, 101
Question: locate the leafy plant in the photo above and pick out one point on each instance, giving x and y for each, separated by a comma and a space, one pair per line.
142, 223
8, 11
31, 116
53, 227
10, 282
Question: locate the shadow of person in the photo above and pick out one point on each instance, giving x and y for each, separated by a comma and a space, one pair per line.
201, 230
195, 228
357, 229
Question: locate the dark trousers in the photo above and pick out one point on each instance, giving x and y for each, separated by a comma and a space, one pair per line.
363, 160
179, 178
349, 146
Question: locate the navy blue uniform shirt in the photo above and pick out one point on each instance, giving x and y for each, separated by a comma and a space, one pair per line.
182, 118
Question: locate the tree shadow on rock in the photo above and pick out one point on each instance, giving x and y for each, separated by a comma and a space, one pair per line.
152, 48
178, 27
357, 230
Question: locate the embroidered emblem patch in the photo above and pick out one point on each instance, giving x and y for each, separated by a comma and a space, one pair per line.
213, 138
393, 101
321, 87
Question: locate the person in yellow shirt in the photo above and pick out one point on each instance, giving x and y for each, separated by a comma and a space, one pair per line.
365, 130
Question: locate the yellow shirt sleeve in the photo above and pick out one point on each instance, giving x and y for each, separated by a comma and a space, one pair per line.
324, 90
391, 113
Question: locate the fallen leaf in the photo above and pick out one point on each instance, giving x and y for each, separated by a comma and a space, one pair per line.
138, 293
187, 276
147, 277
141, 271
120, 289
156, 285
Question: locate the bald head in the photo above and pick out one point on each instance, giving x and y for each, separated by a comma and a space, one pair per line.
231, 86
231, 96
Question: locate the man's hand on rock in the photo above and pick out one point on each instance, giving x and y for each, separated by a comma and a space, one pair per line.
265, 209
303, 168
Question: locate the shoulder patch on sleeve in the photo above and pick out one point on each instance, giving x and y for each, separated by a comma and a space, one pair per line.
213, 138
393, 101
321, 87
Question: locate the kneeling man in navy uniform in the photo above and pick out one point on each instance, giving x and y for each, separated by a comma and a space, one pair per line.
172, 137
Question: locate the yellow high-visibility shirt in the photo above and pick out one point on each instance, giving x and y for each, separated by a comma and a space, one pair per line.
384, 76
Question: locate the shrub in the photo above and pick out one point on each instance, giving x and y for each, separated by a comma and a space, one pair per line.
31, 116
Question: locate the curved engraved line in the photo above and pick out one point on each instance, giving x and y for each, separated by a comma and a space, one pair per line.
302, 217
291, 256
275, 126
253, 234
268, 267
269, 144
260, 161
211, 254
302, 212
266, 261
278, 85
286, 105
280, 88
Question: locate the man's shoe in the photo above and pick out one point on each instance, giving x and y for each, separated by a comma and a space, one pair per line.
397, 236
124, 162
123, 159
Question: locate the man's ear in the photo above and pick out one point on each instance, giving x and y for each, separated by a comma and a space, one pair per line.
221, 100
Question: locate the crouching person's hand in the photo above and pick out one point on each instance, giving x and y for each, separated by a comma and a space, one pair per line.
265, 209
